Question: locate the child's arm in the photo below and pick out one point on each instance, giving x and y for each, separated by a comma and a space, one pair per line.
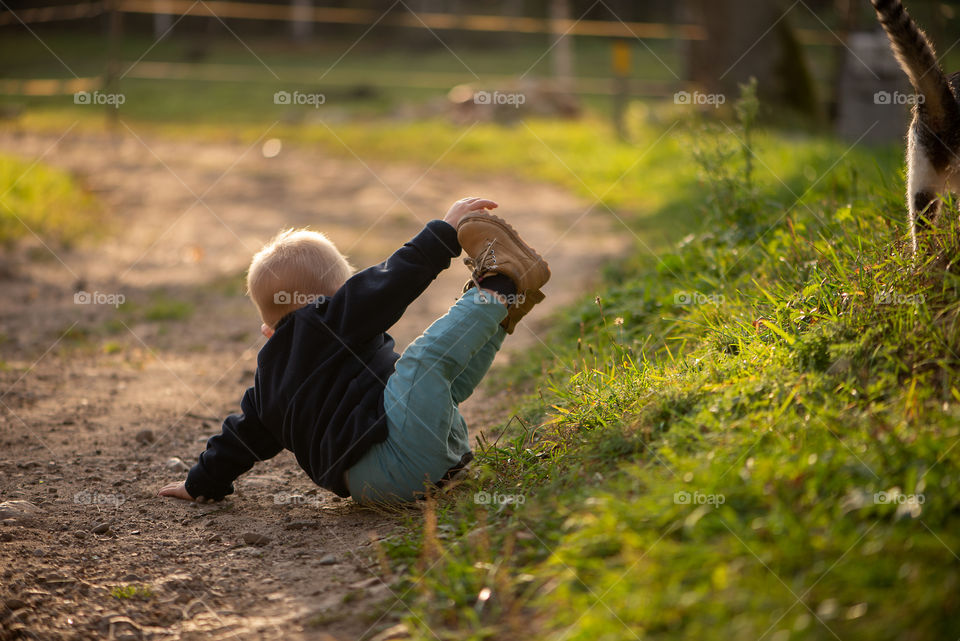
374, 299
241, 442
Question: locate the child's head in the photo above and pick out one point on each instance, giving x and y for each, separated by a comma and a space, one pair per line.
291, 270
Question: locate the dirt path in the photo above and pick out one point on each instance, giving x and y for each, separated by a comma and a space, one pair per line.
95, 401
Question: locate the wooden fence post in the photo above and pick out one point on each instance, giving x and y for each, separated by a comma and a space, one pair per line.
111, 83
562, 52
620, 61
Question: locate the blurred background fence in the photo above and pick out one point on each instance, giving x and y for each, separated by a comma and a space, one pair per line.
403, 58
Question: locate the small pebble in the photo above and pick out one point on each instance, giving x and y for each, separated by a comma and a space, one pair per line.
101, 528
366, 583
251, 551
18, 512
329, 559
399, 631
176, 465
253, 538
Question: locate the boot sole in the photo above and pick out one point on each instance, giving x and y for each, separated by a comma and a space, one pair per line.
543, 269
509, 324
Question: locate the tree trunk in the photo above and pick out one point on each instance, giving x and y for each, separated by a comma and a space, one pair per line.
751, 38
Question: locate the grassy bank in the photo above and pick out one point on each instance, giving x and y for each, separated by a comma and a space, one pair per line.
750, 436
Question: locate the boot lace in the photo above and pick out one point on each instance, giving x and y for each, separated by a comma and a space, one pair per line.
483, 264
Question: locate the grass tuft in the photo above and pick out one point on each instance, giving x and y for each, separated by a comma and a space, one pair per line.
131, 592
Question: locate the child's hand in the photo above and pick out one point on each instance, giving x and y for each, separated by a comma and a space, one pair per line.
179, 491
465, 206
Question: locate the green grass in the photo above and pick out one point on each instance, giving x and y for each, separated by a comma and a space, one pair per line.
164, 308
131, 592
750, 436
112, 347
36, 199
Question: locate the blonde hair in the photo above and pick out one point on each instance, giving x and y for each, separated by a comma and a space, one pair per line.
292, 270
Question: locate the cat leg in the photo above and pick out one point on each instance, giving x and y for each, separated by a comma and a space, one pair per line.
924, 186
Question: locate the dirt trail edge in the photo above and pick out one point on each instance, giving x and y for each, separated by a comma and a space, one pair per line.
100, 406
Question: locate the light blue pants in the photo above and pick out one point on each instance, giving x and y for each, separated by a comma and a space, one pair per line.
427, 435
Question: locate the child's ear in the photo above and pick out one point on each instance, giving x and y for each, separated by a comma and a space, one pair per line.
266, 330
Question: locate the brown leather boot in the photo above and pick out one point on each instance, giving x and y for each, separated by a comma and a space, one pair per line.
494, 247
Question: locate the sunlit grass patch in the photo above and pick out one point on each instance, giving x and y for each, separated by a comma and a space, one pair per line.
36, 199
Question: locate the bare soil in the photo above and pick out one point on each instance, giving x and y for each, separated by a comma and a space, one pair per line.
96, 400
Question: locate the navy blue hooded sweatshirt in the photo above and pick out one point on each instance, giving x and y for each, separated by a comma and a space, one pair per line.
318, 388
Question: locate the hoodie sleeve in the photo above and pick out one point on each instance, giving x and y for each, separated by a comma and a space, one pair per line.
241, 442
374, 299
